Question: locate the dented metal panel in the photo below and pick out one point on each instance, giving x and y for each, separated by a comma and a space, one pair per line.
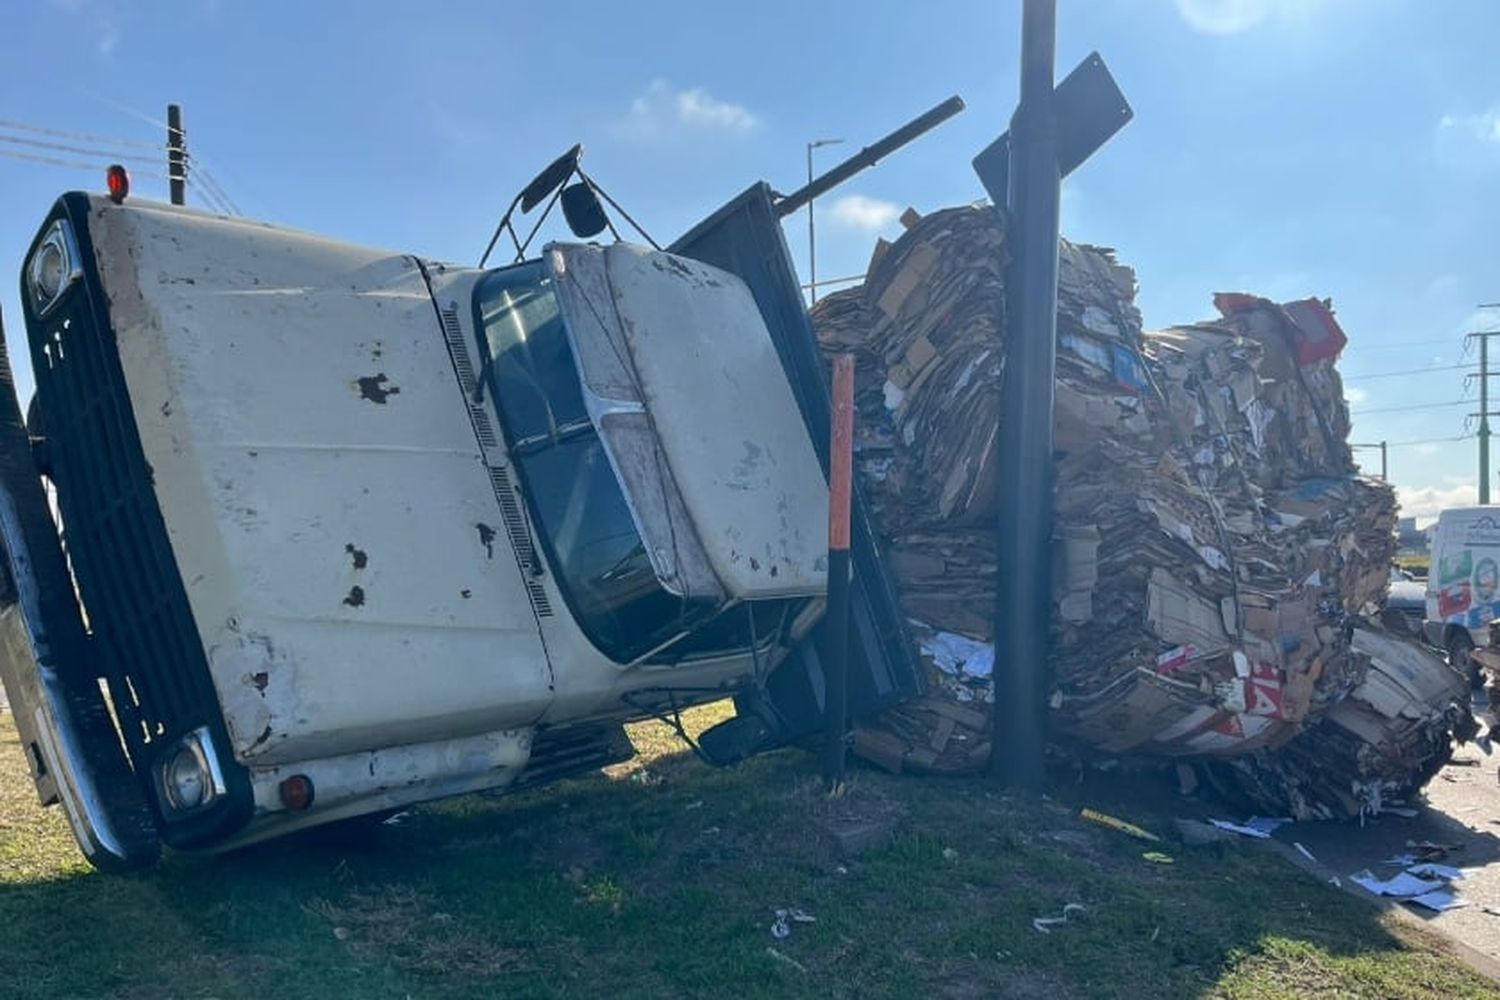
700, 359
326, 498
617, 407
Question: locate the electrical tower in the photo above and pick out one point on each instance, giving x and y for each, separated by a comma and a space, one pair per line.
1483, 375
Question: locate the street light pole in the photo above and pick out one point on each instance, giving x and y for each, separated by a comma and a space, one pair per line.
812, 260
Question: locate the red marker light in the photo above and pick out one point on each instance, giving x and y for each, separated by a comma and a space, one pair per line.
118, 180
296, 792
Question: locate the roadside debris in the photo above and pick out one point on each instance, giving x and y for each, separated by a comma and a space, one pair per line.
1044, 925
1427, 850
1215, 549
1259, 827
1425, 885
1158, 858
1130, 829
781, 927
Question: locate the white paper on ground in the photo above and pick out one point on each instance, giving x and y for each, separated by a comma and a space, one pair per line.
1259, 827
1402, 886
1429, 870
957, 655
1439, 900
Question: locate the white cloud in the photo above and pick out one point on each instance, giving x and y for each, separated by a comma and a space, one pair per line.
1484, 126
1424, 502
1355, 395
662, 108
868, 215
1231, 17
697, 107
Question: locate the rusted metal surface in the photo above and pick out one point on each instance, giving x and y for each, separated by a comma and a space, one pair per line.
700, 360
324, 532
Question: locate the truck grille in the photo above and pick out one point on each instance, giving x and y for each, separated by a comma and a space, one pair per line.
113, 531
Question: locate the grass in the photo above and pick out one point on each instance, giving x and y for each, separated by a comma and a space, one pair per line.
662, 878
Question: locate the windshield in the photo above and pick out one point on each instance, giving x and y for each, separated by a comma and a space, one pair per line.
587, 531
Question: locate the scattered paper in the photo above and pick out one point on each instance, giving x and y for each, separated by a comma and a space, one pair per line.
1401, 886
955, 654
1044, 925
1439, 900
1260, 827
1431, 870
781, 928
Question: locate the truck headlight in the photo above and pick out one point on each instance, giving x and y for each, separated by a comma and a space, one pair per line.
54, 266
189, 774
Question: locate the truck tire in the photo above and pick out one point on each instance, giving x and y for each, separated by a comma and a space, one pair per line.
1459, 648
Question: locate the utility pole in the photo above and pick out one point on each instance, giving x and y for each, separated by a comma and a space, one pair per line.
812, 258
1484, 420
176, 155
1484, 374
1384, 477
1055, 128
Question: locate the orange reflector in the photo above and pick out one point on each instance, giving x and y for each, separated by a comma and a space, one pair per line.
297, 792
118, 180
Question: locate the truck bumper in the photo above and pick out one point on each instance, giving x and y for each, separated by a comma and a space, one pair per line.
74, 754
46, 664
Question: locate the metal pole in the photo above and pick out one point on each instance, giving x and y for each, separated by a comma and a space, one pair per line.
1384, 471
1024, 454
176, 155
840, 492
812, 257
870, 155
1484, 419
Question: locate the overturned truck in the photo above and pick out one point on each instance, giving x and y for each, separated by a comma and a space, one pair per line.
1219, 562
296, 531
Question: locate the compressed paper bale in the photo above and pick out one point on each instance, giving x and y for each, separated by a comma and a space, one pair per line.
1212, 456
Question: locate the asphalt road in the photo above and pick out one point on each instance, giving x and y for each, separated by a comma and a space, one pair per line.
1462, 810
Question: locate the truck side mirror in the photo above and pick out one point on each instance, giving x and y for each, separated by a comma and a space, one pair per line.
550, 179
582, 210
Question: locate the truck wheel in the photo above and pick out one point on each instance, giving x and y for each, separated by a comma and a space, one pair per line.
1459, 648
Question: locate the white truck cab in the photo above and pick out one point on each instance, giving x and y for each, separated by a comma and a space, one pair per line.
1463, 581
298, 531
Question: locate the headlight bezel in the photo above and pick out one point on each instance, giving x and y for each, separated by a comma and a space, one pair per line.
196, 750
58, 240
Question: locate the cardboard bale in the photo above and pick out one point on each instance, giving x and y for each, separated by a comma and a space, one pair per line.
1215, 547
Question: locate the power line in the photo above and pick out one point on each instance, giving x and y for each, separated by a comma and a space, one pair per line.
1421, 441
211, 184
214, 201
80, 136
1412, 406
53, 161
63, 148
1404, 345
1410, 371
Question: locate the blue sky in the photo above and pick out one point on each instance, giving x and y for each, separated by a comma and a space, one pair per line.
1340, 148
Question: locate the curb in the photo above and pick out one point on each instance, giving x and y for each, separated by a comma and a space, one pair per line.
1470, 956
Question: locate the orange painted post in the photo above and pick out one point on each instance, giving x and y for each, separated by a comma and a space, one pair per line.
840, 489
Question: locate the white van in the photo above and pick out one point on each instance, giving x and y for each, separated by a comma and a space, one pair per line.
1463, 583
